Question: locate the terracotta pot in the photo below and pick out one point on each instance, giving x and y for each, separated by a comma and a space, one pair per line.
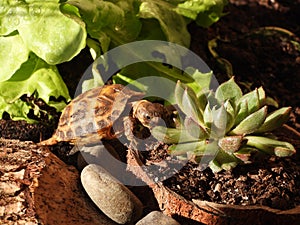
211, 213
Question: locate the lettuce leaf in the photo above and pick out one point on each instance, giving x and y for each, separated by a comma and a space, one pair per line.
173, 25
42, 27
13, 54
35, 77
109, 21
204, 12
36, 35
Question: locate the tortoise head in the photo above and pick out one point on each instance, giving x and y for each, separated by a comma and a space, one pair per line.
149, 114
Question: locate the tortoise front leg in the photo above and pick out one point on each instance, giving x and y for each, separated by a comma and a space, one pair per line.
130, 126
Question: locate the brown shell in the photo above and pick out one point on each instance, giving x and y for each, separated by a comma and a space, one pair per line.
90, 116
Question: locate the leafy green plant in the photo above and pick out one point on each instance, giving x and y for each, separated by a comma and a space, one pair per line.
224, 128
48, 33
34, 37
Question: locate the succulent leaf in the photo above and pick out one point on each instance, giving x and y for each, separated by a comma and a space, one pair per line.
179, 89
215, 166
253, 100
251, 123
284, 151
270, 101
246, 153
202, 99
187, 101
271, 146
225, 161
183, 148
230, 144
242, 110
219, 124
207, 116
261, 96
172, 135
229, 90
207, 153
190, 106
275, 120
217, 127
230, 115
195, 129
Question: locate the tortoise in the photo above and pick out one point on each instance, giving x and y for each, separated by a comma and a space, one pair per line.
101, 113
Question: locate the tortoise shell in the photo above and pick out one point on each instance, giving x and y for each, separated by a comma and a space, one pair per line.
91, 115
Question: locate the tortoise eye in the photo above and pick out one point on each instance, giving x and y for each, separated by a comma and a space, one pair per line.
147, 116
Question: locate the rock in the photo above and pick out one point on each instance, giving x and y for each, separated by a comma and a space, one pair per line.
102, 155
113, 198
157, 218
36, 187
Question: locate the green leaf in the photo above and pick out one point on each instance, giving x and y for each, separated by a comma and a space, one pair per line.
207, 115
96, 81
219, 121
107, 21
271, 102
251, 123
230, 115
201, 83
271, 146
205, 12
275, 120
172, 24
10, 13
223, 160
250, 103
215, 166
206, 153
50, 34
153, 78
46, 31
172, 135
179, 89
95, 48
17, 110
189, 148
229, 90
284, 151
195, 129
99, 15
242, 112
246, 154
188, 102
190, 105
35, 77
12, 55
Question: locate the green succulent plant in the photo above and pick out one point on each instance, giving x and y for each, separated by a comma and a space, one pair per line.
224, 128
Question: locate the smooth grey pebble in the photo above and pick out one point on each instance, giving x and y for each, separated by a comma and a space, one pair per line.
112, 198
104, 156
157, 218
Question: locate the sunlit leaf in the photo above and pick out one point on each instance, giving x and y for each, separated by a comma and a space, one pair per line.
251, 123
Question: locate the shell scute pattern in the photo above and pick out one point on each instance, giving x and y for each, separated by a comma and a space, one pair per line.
91, 114
64, 119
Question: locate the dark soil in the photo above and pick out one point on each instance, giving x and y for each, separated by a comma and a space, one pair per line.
273, 182
271, 59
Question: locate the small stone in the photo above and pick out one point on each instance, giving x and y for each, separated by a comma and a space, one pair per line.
157, 218
99, 154
112, 198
